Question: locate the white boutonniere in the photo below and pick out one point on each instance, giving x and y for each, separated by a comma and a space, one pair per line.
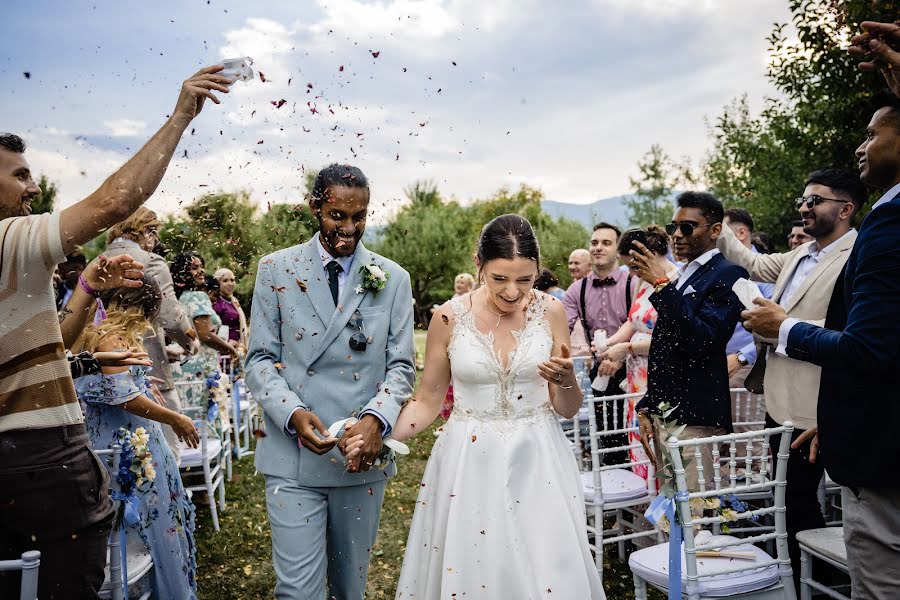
374, 279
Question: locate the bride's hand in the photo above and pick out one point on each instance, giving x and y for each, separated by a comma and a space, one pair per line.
559, 370
351, 448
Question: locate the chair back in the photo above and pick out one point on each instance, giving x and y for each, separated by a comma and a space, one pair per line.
748, 410
693, 447
194, 396
115, 551
615, 422
29, 564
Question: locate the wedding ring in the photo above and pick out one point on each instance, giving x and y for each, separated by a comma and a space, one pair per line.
558, 376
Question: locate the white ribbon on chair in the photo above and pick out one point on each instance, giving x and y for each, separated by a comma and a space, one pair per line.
336, 427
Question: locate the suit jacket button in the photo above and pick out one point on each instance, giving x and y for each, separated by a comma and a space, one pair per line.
310, 372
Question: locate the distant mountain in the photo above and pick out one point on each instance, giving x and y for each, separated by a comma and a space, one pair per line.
612, 210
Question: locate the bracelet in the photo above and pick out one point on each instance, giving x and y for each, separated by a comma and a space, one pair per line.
566, 387
87, 287
660, 283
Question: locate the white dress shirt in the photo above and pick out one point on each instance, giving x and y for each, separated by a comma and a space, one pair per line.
785, 330
685, 272
345, 261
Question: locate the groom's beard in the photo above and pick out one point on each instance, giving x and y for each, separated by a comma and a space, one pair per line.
336, 243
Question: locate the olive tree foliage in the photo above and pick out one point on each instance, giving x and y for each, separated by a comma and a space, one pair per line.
817, 119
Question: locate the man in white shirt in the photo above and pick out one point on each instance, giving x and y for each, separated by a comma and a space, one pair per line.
804, 279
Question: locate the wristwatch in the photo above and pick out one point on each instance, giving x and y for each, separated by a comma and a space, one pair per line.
742, 359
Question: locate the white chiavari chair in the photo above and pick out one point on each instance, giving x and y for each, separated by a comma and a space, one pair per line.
29, 564
825, 544
203, 468
724, 565
137, 560
615, 491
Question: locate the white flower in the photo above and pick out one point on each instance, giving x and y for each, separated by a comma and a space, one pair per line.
377, 272
358, 289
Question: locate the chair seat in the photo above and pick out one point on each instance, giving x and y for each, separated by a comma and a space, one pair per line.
193, 457
618, 485
139, 560
827, 541
652, 565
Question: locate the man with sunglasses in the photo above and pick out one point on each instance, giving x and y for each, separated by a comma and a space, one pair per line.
804, 279
859, 354
697, 313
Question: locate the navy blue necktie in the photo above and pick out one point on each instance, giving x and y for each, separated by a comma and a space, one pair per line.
333, 269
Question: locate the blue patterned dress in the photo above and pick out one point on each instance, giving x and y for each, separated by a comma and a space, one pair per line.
167, 514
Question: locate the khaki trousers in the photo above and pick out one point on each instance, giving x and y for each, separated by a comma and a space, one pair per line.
691, 472
872, 536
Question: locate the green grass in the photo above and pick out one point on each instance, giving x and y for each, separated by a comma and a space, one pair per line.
236, 562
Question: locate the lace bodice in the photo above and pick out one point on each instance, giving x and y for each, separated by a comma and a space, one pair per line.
482, 387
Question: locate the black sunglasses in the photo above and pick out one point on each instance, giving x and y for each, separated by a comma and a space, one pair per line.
813, 200
358, 341
687, 228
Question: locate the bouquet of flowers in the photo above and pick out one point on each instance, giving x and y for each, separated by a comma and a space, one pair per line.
136, 460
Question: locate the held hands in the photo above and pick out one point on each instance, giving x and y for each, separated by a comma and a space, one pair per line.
766, 320
559, 370
118, 271
616, 353
609, 368
197, 88
307, 424
734, 364
643, 262
361, 443
877, 47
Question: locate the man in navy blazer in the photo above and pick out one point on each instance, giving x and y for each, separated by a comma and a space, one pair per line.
696, 318
859, 352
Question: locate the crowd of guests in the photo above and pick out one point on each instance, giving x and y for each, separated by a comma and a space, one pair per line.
89, 347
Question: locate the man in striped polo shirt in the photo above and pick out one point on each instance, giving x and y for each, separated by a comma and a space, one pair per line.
53, 490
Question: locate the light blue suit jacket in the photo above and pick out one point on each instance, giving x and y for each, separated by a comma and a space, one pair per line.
299, 356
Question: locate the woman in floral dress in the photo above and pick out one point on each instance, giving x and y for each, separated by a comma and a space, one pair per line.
120, 397
189, 278
632, 342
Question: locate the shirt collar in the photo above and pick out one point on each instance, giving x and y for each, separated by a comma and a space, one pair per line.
814, 251
888, 196
617, 274
700, 260
344, 261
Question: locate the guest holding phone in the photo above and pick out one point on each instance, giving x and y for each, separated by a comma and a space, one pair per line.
631, 343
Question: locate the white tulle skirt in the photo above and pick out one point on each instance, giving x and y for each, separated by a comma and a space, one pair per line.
500, 514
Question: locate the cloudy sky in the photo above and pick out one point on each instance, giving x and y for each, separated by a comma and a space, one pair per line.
473, 94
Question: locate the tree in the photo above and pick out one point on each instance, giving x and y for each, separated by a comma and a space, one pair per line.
433, 243
817, 120
654, 188
44, 202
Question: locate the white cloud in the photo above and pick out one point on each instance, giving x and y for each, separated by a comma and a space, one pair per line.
418, 20
125, 127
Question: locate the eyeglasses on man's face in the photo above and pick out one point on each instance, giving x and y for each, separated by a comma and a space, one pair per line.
813, 200
687, 227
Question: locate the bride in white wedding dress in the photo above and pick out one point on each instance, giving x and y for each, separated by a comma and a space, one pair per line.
500, 513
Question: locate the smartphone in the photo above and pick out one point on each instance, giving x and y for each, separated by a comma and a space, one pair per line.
637, 236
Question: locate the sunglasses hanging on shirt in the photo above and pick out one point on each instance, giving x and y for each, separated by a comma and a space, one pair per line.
358, 341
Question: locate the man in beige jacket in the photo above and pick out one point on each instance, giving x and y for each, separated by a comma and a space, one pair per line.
804, 279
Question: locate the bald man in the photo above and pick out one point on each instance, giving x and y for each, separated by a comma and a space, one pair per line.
579, 264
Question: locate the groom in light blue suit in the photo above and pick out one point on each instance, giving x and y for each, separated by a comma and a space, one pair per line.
326, 343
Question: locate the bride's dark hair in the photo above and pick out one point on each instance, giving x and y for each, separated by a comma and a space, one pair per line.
508, 236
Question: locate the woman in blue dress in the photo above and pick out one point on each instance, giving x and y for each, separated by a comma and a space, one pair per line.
121, 397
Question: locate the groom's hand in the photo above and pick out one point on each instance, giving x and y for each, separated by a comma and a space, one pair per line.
369, 427
306, 423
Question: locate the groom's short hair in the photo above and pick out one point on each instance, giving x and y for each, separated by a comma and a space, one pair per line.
336, 174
